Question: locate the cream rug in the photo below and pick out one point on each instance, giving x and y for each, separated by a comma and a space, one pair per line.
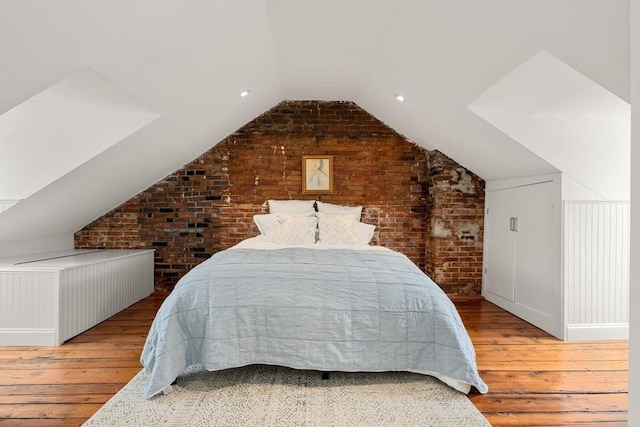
261, 395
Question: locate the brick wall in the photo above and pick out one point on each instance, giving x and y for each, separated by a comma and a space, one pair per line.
455, 226
208, 205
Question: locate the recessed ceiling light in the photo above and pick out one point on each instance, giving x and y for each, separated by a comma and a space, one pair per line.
244, 93
400, 98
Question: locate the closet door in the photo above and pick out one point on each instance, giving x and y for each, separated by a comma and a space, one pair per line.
522, 254
501, 243
535, 280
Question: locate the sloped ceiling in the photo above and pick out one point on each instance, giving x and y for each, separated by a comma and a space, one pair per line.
567, 119
76, 119
188, 61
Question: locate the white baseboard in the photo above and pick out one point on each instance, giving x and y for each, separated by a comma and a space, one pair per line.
28, 337
597, 332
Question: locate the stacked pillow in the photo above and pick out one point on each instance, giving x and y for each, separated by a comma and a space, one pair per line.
290, 222
295, 222
292, 207
341, 225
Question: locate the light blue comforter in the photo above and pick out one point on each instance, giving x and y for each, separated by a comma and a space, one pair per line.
328, 310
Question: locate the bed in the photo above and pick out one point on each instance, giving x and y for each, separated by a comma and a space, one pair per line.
309, 293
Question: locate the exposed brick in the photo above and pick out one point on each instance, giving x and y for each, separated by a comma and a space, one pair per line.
208, 205
456, 208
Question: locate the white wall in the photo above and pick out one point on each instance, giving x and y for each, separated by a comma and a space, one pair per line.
634, 339
59, 242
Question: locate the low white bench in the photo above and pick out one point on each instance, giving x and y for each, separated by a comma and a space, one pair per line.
46, 299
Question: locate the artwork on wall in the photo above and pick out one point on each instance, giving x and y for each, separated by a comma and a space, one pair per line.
317, 174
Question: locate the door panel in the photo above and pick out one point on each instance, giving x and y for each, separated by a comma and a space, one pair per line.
523, 266
534, 252
501, 244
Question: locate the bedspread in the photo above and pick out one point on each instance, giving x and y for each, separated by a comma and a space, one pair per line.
327, 310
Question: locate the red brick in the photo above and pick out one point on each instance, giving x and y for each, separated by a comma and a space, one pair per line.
399, 184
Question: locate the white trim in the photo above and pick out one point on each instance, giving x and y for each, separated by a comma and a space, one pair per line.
28, 337
602, 331
6, 204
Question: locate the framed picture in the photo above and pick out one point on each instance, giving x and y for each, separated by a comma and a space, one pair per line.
317, 174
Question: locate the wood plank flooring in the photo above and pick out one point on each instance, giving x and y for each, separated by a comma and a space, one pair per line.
534, 379
538, 380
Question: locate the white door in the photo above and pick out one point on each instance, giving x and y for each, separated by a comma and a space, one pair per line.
500, 241
535, 275
523, 256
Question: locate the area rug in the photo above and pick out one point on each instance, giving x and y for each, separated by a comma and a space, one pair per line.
260, 395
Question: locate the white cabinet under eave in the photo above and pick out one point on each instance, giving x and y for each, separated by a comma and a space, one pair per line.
46, 299
560, 264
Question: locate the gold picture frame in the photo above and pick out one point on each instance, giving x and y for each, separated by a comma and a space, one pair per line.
317, 174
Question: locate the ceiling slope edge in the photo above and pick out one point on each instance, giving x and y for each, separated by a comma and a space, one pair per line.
63, 127
568, 120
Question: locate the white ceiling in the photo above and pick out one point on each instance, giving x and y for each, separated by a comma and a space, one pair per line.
189, 59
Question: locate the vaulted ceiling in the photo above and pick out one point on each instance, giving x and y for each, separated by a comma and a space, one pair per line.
180, 66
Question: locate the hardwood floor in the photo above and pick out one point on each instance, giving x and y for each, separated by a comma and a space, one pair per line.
534, 379
538, 380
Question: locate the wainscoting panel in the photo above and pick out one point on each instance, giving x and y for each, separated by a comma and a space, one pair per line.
46, 299
28, 307
95, 292
596, 270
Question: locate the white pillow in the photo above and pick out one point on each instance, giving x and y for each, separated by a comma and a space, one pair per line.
336, 229
329, 209
364, 233
292, 207
296, 230
268, 225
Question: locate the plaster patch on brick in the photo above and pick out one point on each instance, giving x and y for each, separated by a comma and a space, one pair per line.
468, 231
464, 181
438, 229
371, 214
459, 179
